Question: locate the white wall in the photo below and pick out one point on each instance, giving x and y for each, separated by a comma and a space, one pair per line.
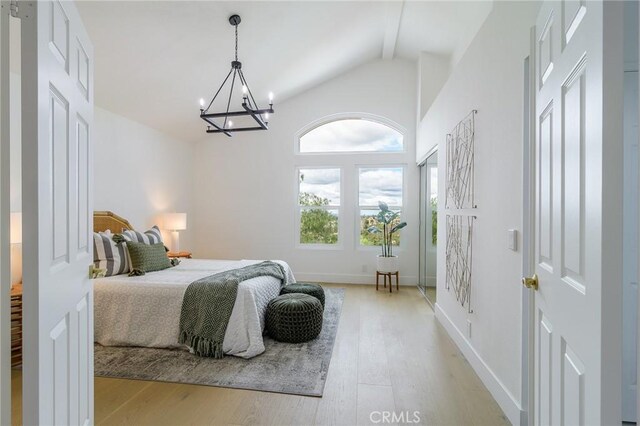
15, 180
246, 185
140, 172
489, 78
433, 71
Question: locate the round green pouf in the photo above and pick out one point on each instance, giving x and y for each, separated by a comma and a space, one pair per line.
311, 289
294, 318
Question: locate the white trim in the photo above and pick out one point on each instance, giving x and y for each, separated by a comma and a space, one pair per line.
425, 157
500, 393
5, 268
350, 116
351, 279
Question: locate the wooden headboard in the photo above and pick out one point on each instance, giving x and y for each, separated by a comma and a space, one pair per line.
109, 220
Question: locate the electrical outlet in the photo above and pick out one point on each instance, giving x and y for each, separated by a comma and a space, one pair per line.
469, 329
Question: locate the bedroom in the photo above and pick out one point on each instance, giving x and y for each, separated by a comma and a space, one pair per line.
363, 94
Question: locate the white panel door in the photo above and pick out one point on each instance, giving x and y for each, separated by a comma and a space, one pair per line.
57, 99
574, 218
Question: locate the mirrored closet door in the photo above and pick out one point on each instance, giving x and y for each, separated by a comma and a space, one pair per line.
428, 227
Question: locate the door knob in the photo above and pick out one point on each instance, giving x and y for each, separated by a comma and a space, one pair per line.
531, 282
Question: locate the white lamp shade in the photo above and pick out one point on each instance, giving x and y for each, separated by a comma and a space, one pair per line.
175, 221
16, 228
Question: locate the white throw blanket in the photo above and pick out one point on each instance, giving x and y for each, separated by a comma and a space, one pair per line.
145, 310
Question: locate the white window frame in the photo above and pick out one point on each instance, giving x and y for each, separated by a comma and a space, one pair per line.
350, 116
402, 166
349, 164
298, 215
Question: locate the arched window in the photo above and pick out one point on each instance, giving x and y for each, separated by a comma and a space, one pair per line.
351, 135
347, 160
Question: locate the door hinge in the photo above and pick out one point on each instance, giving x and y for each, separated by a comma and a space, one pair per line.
22, 10
13, 7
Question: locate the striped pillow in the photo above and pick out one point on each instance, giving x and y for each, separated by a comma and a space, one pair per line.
108, 255
152, 236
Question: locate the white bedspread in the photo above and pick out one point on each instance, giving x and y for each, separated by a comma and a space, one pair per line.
145, 310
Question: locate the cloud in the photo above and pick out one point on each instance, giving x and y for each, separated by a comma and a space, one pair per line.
352, 135
380, 184
324, 183
375, 184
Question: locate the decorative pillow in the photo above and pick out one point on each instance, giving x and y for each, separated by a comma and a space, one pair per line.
152, 236
147, 257
108, 255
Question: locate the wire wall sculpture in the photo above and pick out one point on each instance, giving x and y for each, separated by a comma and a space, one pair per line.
460, 165
460, 195
459, 256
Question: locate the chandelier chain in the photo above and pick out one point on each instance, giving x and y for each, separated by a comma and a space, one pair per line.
236, 42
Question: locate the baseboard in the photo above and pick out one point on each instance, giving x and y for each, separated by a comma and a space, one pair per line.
405, 280
503, 397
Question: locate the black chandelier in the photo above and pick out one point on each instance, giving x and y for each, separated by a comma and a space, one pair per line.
220, 122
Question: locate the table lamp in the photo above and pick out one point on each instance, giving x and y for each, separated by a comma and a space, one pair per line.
175, 222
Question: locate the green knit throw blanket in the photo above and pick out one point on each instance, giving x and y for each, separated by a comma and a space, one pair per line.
207, 306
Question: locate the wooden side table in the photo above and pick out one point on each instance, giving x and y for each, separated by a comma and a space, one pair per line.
183, 254
16, 325
388, 275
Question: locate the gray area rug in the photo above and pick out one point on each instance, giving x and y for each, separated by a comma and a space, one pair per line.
299, 369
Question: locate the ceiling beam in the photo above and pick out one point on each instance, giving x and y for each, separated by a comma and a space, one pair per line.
394, 15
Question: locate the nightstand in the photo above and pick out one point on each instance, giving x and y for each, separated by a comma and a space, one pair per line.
16, 325
183, 254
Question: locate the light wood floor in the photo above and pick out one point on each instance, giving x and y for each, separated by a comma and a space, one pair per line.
390, 354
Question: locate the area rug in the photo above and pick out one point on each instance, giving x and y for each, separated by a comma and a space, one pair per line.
299, 369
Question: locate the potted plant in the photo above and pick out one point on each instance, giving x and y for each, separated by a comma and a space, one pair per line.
387, 261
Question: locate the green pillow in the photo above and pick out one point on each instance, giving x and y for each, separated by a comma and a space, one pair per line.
147, 257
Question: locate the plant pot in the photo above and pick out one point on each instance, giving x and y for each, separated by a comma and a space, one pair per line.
387, 264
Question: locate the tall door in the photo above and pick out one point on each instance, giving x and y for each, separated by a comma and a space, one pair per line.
424, 205
57, 111
578, 213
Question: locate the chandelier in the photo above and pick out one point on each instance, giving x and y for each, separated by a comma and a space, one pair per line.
221, 122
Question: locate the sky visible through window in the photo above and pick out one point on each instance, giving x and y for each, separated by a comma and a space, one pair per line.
324, 183
375, 184
380, 184
352, 135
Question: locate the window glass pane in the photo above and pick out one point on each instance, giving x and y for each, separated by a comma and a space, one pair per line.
380, 184
319, 187
368, 218
352, 135
318, 226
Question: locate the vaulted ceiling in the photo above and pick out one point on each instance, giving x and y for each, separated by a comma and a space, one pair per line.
155, 59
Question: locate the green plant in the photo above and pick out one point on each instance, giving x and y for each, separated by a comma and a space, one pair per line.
434, 221
317, 225
385, 226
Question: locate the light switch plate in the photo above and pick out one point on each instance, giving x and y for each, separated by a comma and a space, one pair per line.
512, 239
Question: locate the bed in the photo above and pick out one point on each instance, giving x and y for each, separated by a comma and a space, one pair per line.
145, 310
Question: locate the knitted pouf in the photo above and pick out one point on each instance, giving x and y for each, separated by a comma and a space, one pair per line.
294, 318
311, 289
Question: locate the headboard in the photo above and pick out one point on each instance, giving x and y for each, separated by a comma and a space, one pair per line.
109, 220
